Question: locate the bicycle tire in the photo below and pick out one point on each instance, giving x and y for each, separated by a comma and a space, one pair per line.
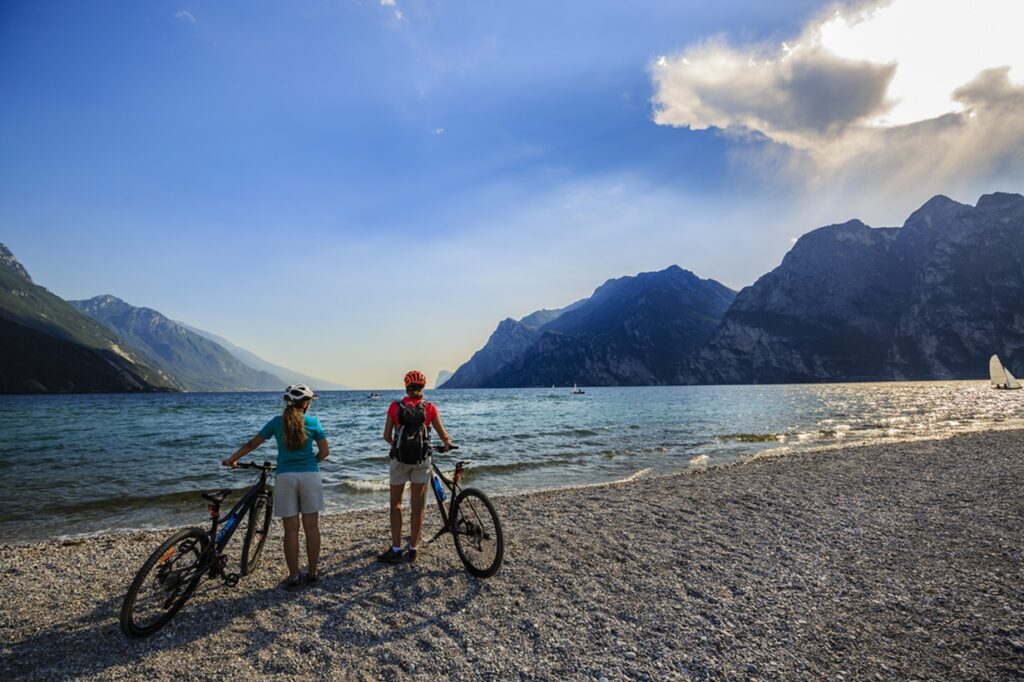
477, 533
256, 531
173, 584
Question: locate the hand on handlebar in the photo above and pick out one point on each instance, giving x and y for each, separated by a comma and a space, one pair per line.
448, 447
230, 463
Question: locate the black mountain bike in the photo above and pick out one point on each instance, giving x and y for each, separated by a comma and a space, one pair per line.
471, 520
173, 571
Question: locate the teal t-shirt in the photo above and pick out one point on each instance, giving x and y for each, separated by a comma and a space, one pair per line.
290, 461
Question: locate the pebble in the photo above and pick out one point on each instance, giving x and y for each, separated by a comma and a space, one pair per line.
882, 541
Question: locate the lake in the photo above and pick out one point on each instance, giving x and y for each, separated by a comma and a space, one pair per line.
83, 464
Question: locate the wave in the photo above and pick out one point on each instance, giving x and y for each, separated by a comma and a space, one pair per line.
122, 503
512, 467
356, 485
639, 473
752, 437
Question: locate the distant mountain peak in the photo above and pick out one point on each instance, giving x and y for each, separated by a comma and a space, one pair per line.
8, 261
999, 201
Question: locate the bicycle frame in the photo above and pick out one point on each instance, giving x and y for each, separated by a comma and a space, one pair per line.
219, 539
230, 523
454, 489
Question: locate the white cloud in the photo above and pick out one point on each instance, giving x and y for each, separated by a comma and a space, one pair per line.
898, 93
438, 131
394, 6
185, 15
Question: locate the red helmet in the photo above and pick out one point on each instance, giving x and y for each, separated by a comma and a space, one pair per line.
415, 377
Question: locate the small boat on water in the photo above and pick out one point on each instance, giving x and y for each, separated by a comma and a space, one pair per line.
576, 390
1001, 377
373, 396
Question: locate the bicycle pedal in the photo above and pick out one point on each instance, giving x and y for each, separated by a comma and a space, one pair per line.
231, 579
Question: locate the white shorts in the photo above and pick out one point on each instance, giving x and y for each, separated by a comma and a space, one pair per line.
298, 492
400, 474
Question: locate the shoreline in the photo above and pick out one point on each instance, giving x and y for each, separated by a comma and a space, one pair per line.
900, 561
772, 453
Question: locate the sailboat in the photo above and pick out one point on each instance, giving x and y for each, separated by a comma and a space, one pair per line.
1001, 377
576, 390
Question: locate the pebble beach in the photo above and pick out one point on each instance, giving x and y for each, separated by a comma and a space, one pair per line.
896, 562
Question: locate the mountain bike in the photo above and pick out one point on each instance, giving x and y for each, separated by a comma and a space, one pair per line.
174, 570
471, 520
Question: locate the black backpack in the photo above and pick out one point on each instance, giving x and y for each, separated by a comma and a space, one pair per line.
411, 443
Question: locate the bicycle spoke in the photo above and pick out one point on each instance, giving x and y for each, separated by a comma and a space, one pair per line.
477, 533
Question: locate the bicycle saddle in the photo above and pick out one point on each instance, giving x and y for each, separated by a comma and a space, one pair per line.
217, 496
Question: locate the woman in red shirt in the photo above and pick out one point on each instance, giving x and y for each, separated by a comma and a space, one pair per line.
406, 416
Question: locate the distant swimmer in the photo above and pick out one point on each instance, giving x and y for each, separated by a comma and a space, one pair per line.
298, 488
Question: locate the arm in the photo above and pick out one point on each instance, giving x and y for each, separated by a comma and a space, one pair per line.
254, 443
322, 450
439, 427
389, 429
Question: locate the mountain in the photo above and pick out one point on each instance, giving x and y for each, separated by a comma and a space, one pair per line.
47, 346
442, 376
288, 376
192, 361
631, 331
932, 299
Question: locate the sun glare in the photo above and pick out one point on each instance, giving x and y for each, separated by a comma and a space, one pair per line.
937, 45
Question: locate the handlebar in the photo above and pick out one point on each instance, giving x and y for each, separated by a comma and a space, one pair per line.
252, 465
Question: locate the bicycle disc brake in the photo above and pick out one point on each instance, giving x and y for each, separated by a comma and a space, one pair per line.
218, 566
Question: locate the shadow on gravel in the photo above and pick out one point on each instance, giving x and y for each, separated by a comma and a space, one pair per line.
94, 643
363, 603
379, 604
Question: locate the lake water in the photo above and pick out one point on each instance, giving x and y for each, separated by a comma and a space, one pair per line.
92, 463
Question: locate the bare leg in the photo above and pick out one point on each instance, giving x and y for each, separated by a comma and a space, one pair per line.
417, 512
291, 545
311, 527
396, 514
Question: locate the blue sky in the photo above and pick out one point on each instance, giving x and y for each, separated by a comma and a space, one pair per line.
354, 188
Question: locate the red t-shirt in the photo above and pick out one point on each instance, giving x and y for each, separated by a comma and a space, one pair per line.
429, 409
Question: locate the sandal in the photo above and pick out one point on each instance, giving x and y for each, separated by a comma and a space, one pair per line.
312, 579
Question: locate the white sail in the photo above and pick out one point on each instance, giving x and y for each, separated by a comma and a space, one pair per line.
1011, 382
996, 372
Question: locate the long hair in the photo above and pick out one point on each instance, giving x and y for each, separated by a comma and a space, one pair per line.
294, 419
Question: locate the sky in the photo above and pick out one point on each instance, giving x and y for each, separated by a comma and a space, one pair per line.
355, 188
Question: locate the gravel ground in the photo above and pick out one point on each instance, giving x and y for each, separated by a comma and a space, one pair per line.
878, 562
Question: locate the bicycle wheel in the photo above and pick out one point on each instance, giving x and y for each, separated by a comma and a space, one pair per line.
256, 531
477, 533
164, 583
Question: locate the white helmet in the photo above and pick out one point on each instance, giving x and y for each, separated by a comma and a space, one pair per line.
298, 392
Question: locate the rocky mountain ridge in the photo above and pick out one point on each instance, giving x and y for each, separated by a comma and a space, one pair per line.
286, 375
632, 330
46, 345
193, 362
932, 299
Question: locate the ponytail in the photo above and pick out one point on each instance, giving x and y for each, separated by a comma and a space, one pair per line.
294, 425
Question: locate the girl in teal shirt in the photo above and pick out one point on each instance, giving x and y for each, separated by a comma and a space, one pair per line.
298, 488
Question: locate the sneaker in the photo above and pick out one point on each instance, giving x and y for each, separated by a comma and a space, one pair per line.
291, 584
390, 556
312, 579
410, 556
